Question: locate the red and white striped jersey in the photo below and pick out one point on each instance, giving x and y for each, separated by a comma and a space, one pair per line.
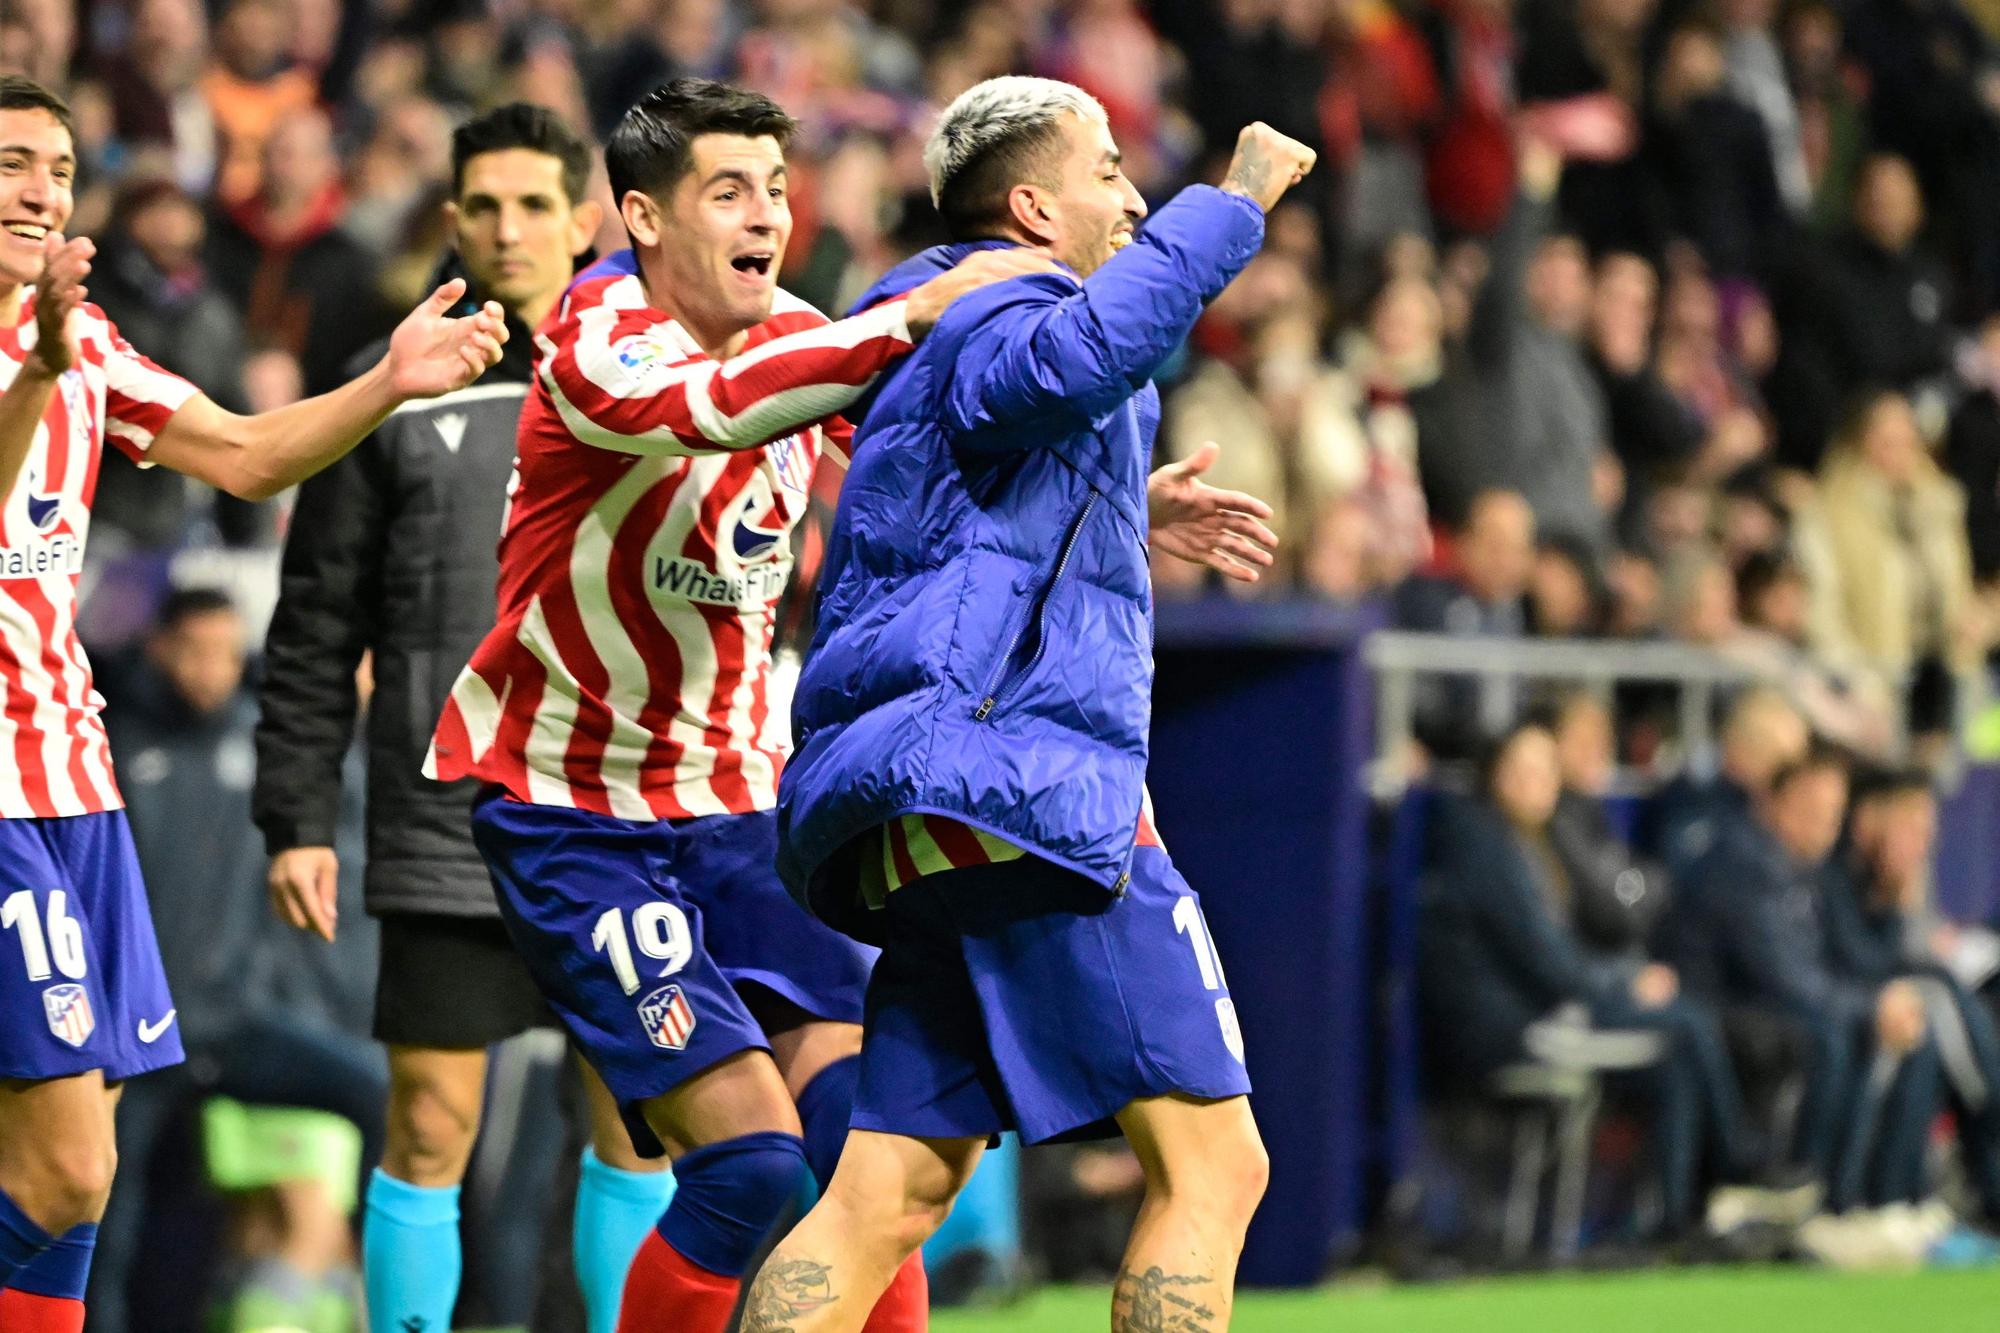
54, 757
647, 544
913, 846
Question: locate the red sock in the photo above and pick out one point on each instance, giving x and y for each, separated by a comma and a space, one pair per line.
665, 1292
25, 1312
906, 1306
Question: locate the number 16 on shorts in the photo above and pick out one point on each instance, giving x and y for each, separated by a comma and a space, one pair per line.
51, 941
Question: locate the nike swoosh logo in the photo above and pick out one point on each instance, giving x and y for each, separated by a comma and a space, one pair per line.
151, 1032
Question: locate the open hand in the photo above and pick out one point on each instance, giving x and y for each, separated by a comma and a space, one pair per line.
59, 292
926, 304
1206, 526
432, 353
304, 883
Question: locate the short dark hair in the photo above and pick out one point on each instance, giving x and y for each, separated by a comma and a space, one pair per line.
974, 201
23, 94
184, 604
523, 125
1819, 757
1888, 784
653, 145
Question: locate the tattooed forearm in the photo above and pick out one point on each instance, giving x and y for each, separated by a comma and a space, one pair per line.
785, 1290
1250, 172
1149, 1302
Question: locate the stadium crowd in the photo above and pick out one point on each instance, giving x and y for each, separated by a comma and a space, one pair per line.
1607, 319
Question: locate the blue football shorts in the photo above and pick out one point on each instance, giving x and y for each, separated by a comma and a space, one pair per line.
1021, 996
645, 937
81, 985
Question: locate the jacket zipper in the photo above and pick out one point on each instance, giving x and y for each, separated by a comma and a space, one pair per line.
996, 689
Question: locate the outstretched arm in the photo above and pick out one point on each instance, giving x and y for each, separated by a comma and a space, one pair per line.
255, 457
1076, 353
620, 381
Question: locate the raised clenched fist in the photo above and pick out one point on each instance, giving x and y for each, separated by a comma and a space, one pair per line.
1266, 165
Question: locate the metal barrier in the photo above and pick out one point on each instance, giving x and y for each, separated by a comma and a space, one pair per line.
1398, 657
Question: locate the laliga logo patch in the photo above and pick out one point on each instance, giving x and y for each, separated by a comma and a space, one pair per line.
1232, 1031
68, 1010
759, 531
42, 509
639, 352
668, 1018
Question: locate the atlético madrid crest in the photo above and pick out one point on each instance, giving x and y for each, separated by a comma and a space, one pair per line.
668, 1018
68, 1008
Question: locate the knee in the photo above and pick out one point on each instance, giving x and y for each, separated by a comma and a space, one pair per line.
431, 1127
71, 1187
728, 1194
1227, 1181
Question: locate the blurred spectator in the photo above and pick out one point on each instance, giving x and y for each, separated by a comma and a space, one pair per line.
1493, 560
1749, 929
303, 285
1850, 707
1890, 562
1931, 99
1762, 734
1829, 94
252, 87
1616, 896
1497, 956
397, 171
150, 280
1711, 160
1757, 78
1517, 405
1891, 301
182, 741
1972, 453
1302, 434
1878, 913
1696, 364
1565, 599
1655, 435
156, 92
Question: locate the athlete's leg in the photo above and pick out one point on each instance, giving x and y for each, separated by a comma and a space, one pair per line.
742, 1164
57, 1156
410, 1254
821, 1062
619, 1197
887, 1197
1205, 1172
57, 1149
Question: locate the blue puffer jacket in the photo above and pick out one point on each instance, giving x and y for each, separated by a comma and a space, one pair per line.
985, 643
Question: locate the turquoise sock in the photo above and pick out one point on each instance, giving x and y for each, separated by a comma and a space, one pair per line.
410, 1258
614, 1211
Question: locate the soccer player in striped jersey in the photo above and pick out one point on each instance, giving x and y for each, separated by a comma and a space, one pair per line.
83, 1002
620, 710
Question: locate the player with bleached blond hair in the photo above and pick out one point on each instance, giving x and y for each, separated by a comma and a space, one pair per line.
971, 722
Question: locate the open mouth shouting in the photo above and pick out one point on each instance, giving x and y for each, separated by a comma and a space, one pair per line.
754, 263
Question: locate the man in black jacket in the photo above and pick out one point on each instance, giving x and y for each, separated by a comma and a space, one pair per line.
391, 552
1751, 930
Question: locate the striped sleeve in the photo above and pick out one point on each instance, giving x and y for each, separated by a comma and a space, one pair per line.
139, 395
621, 379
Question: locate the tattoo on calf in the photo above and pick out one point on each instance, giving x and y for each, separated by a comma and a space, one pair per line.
786, 1289
1148, 1303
